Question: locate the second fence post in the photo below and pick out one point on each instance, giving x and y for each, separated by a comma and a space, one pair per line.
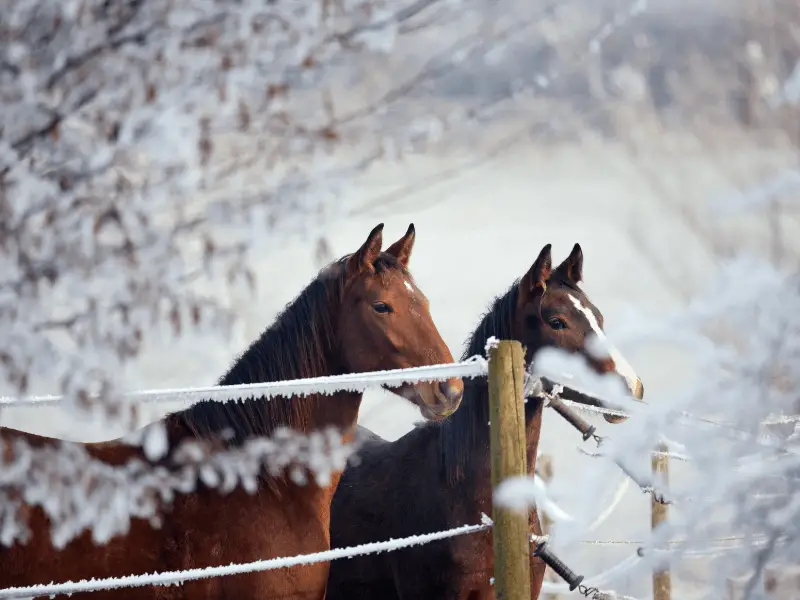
507, 434
662, 582
544, 466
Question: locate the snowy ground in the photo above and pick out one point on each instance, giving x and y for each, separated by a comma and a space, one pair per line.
476, 233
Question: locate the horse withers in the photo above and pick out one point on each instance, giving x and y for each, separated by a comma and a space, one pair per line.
362, 313
438, 476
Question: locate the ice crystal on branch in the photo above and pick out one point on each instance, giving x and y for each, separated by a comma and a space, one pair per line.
148, 149
146, 145
79, 492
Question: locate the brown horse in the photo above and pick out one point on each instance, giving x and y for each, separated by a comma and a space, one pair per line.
362, 313
438, 476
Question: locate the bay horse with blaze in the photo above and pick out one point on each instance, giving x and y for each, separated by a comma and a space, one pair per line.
438, 476
362, 313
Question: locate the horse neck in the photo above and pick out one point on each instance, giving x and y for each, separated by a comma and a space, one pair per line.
465, 435
473, 473
301, 344
533, 431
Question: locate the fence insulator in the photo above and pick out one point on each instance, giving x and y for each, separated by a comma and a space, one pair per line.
552, 561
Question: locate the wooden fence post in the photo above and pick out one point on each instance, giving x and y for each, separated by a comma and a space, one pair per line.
662, 582
544, 466
512, 548
782, 582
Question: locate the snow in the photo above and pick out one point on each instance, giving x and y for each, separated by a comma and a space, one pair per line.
522, 493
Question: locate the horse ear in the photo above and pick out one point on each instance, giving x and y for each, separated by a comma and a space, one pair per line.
533, 282
572, 267
402, 248
363, 259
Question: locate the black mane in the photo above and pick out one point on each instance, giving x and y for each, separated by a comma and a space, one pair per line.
302, 342
469, 424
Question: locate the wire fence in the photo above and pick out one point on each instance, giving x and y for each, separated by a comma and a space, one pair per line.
180, 577
475, 366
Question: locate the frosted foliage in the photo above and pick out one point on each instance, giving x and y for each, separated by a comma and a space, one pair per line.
114, 196
735, 424
79, 493
749, 374
148, 150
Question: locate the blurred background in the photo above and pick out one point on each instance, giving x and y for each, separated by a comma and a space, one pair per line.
647, 131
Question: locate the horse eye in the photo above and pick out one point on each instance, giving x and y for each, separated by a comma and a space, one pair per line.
556, 323
382, 307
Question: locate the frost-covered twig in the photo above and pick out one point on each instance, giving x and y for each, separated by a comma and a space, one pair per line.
79, 492
144, 142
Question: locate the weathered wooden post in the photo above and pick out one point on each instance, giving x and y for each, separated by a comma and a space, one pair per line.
544, 466
782, 582
507, 437
662, 583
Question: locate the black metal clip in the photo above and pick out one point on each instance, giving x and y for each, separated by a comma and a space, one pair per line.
552, 561
573, 418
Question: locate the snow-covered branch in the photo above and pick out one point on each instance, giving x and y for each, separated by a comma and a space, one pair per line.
739, 335
78, 491
148, 145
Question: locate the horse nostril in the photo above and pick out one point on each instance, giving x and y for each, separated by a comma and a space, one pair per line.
450, 391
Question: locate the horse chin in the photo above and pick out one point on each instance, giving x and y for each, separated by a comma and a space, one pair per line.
418, 397
429, 415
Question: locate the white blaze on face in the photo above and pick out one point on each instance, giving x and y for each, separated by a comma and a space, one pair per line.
413, 292
621, 366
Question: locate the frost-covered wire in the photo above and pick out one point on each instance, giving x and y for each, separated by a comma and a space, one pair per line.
610, 595
601, 410
522, 492
475, 366
619, 494
598, 454
720, 540
180, 577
